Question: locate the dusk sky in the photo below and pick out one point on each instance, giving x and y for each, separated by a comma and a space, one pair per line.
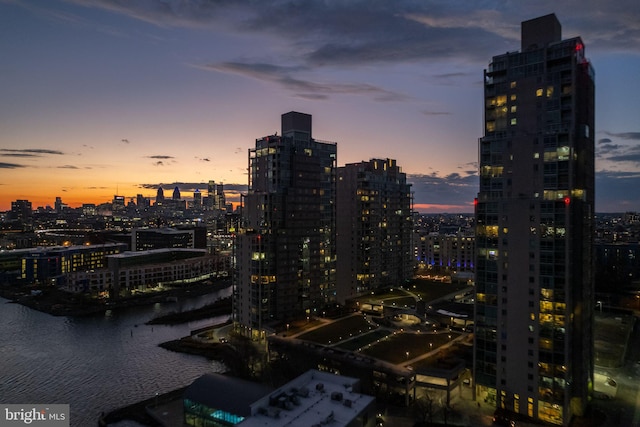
104, 97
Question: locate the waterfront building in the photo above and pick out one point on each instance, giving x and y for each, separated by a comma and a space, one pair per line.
312, 399
50, 265
534, 228
285, 248
374, 228
139, 271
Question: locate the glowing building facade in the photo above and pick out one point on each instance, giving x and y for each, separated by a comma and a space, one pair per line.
285, 250
535, 224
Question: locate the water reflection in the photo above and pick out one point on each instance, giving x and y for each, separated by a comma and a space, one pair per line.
95, 363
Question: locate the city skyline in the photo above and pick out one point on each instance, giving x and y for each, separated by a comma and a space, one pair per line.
104, 98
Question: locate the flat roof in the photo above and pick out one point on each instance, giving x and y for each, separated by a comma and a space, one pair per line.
226, 393
313, 398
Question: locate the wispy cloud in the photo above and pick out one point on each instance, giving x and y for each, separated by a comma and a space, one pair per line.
624, 149
25, 152
625, 135
68, 167
162, 157
11, 166
436, 113
303, 88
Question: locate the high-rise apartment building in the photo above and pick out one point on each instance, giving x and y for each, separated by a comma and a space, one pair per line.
374, 227
285, 250
535, 222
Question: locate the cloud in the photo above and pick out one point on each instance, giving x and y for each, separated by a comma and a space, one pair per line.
302, 88
617, 191
626, 135
10, 166
159, 163
371, 32
26, 152
455, 189
68, 167
630, 157
189, 187
161, 157
436, 113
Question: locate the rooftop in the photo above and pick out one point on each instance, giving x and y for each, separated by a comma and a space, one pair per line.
313, 398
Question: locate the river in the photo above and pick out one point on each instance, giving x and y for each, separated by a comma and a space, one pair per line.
96, 363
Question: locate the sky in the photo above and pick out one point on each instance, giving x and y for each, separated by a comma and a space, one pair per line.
105, 97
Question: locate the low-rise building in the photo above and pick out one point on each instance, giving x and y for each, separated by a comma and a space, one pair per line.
314, 398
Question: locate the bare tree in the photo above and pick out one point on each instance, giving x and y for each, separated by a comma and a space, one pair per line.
422, 409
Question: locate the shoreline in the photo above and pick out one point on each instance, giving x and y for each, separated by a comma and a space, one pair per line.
57, 302
219, 307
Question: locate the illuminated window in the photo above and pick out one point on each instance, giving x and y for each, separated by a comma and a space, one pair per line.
539, 92
549, 91
513, 85
514, 121
513, 108
513, 97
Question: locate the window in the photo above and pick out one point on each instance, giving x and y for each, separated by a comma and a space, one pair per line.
514, 121
539, 92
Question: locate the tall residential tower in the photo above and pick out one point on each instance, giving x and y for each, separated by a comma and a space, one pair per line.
535, 215
374, 228
286, 249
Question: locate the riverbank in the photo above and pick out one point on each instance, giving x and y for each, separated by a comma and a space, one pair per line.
56, 302
218, 308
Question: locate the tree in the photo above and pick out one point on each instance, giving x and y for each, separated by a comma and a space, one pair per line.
422, 409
